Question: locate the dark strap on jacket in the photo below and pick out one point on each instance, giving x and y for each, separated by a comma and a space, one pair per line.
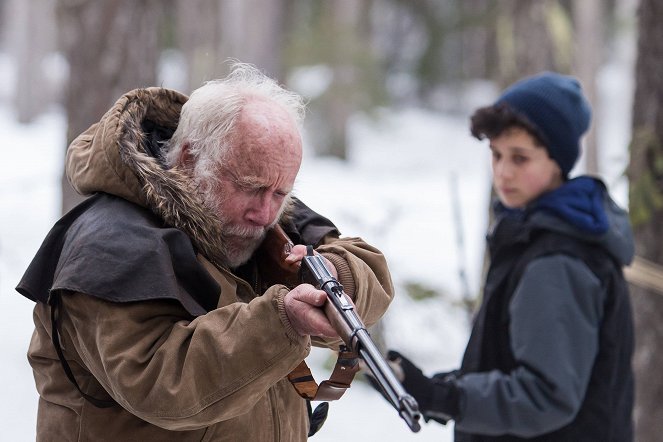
55, 303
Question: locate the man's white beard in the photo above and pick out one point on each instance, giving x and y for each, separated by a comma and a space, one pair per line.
238, 242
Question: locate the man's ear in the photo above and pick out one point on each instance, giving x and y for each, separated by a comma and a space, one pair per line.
185, 159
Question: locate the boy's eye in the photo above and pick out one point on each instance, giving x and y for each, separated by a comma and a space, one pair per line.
519, 159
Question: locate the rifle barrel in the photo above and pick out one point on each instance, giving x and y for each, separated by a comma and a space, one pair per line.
357, 338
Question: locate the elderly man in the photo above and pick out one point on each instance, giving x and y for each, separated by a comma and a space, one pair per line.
155, 318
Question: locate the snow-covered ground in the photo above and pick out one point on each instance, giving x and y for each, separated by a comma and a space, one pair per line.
415, 182
29, 204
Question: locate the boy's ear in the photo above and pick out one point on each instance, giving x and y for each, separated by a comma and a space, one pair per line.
558, 171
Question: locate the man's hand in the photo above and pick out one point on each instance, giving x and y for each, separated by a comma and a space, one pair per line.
298, 252
303, 305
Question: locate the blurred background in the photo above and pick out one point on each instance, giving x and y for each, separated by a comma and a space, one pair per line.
390, 85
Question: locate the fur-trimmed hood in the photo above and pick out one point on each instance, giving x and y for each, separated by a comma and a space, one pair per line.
119, 155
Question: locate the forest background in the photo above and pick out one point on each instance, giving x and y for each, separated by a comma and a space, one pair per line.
360, 64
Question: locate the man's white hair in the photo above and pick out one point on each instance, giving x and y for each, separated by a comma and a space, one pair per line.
208, 118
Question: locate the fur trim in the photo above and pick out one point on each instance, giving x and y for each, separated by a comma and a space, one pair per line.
170, 193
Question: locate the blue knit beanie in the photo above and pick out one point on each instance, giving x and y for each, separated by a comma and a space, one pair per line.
555, 105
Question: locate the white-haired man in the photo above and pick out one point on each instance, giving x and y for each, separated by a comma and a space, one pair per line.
154, 319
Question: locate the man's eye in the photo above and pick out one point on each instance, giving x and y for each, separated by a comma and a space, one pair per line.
244, 188
520, 159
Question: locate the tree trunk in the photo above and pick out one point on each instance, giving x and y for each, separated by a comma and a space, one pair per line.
646, 209
342, 21
524, 41
198, 36
112, 46
31, 32
253, 31
588, 31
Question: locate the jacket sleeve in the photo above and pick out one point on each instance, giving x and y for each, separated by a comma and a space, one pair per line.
555, 315
363, 272
179, 373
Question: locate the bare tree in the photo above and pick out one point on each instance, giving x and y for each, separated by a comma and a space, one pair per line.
526, 39
209, 32
588, 31
335, 36
30, 33
254, 31
344, 16
646, 208
112, 46
197, 35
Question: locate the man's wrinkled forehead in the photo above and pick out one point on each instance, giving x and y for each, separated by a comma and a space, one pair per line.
266, 148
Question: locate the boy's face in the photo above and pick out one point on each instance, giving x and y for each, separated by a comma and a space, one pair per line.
522, 169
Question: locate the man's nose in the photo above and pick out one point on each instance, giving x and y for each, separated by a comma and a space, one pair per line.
260, 213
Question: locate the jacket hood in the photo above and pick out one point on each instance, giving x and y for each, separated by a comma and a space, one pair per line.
119, 155
582, 208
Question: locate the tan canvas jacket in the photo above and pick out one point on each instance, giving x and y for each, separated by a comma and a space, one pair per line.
220, 376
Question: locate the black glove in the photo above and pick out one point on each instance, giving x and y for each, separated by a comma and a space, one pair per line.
438, 397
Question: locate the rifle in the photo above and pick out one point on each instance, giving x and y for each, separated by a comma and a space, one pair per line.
357, 341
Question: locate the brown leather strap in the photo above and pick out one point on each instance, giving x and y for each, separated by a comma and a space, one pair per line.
332, 389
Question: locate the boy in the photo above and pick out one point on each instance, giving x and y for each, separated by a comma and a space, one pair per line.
549, 357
